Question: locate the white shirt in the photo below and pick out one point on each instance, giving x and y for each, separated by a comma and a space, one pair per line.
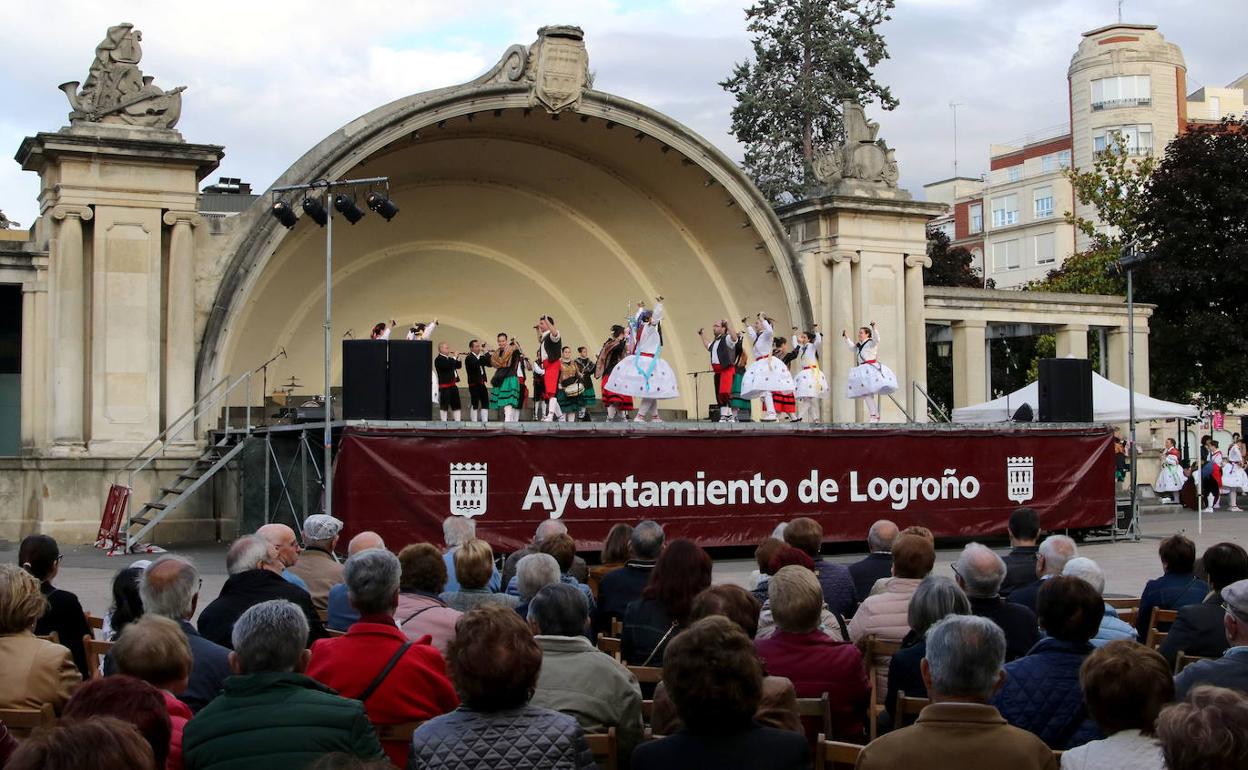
648, 333
808, 354
762, 340
1124, 749
870, 350
730, 340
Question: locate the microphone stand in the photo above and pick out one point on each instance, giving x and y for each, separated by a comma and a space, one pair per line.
697, 407
264, 379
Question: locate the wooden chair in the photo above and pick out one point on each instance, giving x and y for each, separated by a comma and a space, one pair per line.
647, 711
400, 733
334, 634
1128, 608
603, 746
817, 708
52, 637
835, 755
874, 650
647, 674
610, 645
1155, 635
94, 623
907, 707
1183, 660
96, 650
25, 720
617, 627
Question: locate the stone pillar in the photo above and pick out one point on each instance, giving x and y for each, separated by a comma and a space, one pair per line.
837, 360
969, 362
1119, 353
916, 336
180, 320
69, 331
34, 431
1072, 341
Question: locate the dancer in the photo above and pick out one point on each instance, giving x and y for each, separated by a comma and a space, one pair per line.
570, 394
869, 378
381, 331
741, 363
810, 384
1216, 459
609, 356
475, 364
785, 400
588, 397
1234, 479
534, 368
1170, 479
644, 373
767, 375
549, 355
723, 350
425, 332
446, 369
507, 395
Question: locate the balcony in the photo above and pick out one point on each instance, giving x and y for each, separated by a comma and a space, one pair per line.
1113, 104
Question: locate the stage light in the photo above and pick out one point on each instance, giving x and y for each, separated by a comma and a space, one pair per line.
313, 208
346, 206
382, 205
283, 213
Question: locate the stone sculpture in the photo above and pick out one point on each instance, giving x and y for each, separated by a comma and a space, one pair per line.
862, 158
117, 91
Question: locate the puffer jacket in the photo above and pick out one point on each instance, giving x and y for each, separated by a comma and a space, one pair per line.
1041, 694
884, 615
527, 736
1113, 628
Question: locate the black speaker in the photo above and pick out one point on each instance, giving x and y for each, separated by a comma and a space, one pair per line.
1023, 414
410, 389
1065, 390
363, 380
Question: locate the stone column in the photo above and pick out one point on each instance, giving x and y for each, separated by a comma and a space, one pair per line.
69, 327
916, 335
1072, 341
34, 360
970, 386
836, 361
180, 320
1119, 353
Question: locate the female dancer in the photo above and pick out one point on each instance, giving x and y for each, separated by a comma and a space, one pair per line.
609, 356
381, 331
785, 400
506, 393
588, 397
644, 374
1170, 479
425, 332
869, 378
571, 390
767, 375
1234, 479
810, 384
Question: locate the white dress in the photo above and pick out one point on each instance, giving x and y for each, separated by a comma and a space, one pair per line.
1170, 479
1233, 475
810, 382
767, 374
427, 334
642, 373
870, 376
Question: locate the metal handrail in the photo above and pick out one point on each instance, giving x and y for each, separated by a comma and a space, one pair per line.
914, 386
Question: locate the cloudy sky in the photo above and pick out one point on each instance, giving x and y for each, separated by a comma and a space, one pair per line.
269, 80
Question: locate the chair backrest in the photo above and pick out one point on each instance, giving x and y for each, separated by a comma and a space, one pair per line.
95, 624
1123, 602
617, 627
610, 645
647, 674
1155, 635
877, 652
1129, 616
907, 707
603, 747
96, 650
400, 733
819, 708
647, 711
835, 755
28, 719
1183, 660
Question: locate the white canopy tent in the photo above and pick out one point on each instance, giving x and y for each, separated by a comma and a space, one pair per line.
1110, 403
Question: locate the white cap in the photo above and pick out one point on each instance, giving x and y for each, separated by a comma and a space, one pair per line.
320, 527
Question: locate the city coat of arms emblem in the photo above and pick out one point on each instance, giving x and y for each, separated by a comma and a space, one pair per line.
1020, 477
561, 71
468, 489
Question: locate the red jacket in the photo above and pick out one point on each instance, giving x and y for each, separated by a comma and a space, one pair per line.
816, 664
416, 689
179, 713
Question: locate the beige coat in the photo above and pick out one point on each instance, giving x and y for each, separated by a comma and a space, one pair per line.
321, 572
949, 735
34, 671
885, 616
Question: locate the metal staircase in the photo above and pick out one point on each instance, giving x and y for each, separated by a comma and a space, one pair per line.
215, 457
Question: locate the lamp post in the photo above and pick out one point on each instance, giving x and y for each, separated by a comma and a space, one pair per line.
1132, 255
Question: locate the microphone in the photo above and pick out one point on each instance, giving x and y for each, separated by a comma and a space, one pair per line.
349, 333
283, 351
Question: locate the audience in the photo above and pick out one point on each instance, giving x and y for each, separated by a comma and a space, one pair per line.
960, 727
41, 556
1177, 587
255, 576
622, 587
1198, 629
651, 621
103, 743
1207, 731
935, 598
533, 573
563, 548
474, 564
130, 700
494, 662
548, 528
576, 678
397, 680
1231, 669
421, 612
271, 713
35, 671
715, 679
878, 563
317, 565
457, 530
1112, 627
169, 588
341, 613
155, 650
763, 555
127, 604
830, 623
813, 661
1051, 559
1124, 685
614, 555
8, 744
979, 572
1041, 692
1020, 562
283, 539
838, 585
884, 614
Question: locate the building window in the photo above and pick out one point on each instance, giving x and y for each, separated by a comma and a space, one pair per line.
1006, 256
1215, 107
1014, 173
1063, 159
1044, 245
1054, 161
1138, 139
946, 228
1005, 211
976, 212
1121, 91
1043, 197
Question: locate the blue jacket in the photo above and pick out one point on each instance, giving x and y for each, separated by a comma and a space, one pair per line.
341, 614
1169, 592
1041, 694
528, 736
1113, 628
1230, 670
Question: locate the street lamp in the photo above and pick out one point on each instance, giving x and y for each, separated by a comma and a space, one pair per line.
1132, 256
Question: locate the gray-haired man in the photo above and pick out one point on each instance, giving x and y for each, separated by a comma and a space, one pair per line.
548, 528
1051, 559
457, 530
622, 586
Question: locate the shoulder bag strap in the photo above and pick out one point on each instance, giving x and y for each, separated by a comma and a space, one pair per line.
381, 676
660, 645
417, 612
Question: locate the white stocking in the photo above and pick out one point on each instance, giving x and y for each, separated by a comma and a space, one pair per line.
457, 415
442, 413
553, 408
873, 407
612, 411
769, 406
509, 414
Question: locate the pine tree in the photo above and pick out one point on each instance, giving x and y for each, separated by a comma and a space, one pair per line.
809, 55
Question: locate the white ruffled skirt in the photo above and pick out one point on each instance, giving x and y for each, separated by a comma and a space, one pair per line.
766, 375
627, 380
1234, 477
870, 379
810, 383
1170, 479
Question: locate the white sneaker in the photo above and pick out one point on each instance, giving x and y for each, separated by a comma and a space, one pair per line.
1235, 508
638, 418
770, 417
548, 418
874, 418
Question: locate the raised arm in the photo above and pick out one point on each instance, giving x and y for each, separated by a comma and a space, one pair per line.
818, 342
430, 328
657, 315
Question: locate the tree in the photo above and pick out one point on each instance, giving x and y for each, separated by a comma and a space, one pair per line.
1087, 272
809, 55
950, 266
1115, 188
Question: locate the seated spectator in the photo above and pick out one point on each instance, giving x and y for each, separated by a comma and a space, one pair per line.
1198, 629
35, 671
341, 613
127, 604
132, 701
960, 728
340, 761
614, 555
270, 713
104, 743
1020, 562
1207, 731
474, 563
1041, 692
1177, 587
397, 680
533, 573
778, 705
576, 678
563, 549
255, 577
762, 556
814, 662
170, 589
548, 528
155, 650
1230, 670
838, 585
1124, 684
884, 614
935, 598
420, 611
8, 744
830, 623
878, 563
623, 586
650, 622
457, 530
1112, 627
1051, 559
494, 662
979, 572
41, 556
317, 565
283, 539
716, 682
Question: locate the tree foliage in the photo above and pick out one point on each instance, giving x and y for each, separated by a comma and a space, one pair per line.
809, 55
1115, 187
951, 266
1086, 272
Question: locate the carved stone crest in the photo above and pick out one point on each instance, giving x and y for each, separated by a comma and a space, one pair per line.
558, 68
117, 91
862, 159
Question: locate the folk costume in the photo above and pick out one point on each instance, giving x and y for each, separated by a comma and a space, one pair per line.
446, 370
588, 397
784, 400
571, 392
644, 374
767, 375
507, 394
1170, 479
1234, 479
550, 356
380, 332
810, 385
739, 405
869, 378
723, 350
609, 357
539, 385
425, 332
475, 365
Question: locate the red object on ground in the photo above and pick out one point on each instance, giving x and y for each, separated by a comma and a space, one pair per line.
109, 535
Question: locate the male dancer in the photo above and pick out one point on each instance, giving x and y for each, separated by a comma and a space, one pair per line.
549, 355
507, 394
475, 364
587, 380
723, 350
446, 366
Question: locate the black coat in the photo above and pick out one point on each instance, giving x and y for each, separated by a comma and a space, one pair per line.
1022, 631
1197, 630
243, 591
755, 748
866, 571
618, 589
648, 629
66, 618
1020, 568
1026, 595
904, 675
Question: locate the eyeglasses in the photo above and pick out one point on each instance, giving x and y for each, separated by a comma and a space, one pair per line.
1234, 613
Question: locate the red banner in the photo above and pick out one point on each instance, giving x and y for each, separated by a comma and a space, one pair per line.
719, 487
